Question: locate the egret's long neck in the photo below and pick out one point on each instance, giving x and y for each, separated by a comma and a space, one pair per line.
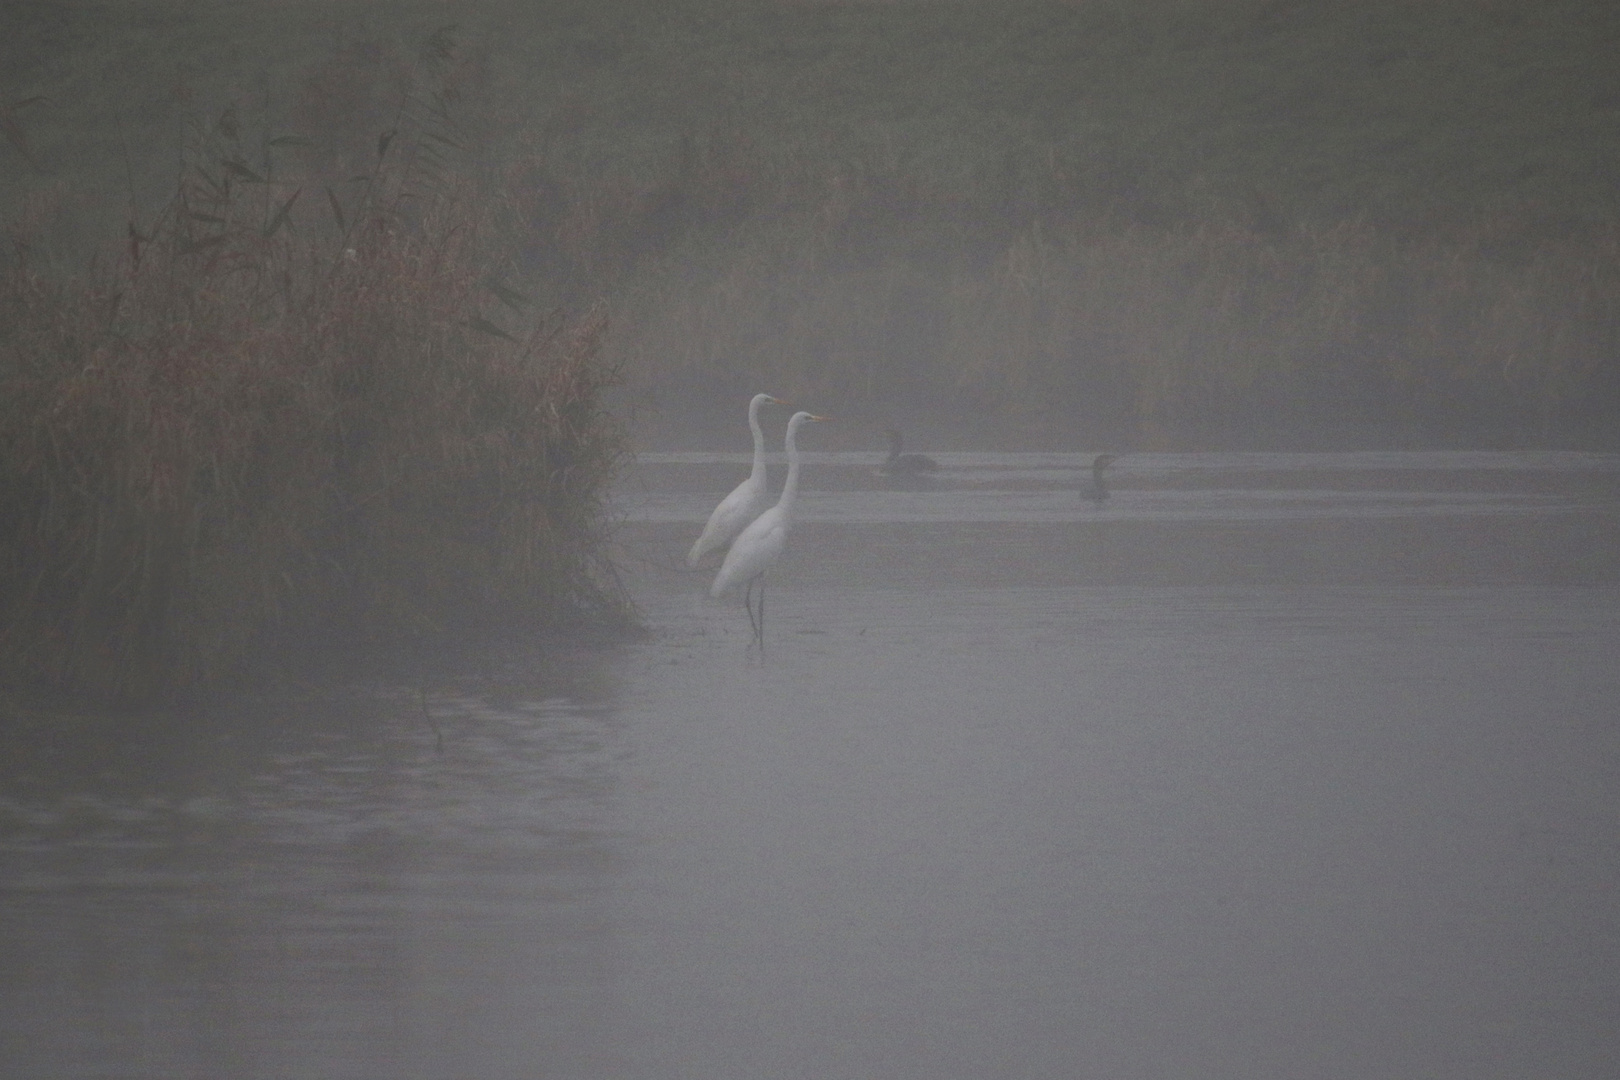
790, 489
758, 471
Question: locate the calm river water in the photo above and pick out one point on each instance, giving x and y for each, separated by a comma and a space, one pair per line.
1268, 766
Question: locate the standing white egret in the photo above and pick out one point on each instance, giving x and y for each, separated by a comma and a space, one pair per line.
1097, 491
758, 547
905, 465
746, 501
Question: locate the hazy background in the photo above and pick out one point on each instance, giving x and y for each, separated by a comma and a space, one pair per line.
1162, 223
1271, 763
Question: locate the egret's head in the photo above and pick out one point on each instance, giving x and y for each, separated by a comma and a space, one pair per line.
806, 418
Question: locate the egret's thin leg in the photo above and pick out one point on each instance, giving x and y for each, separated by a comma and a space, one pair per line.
757, 623
748, 603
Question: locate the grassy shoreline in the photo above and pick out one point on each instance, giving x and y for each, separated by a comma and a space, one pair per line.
303, 301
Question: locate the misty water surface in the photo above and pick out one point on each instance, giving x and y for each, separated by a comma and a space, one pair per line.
1269, 765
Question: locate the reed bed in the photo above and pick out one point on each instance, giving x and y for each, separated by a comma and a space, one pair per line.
290, 417
1218, 326
1082, 321
1074, 223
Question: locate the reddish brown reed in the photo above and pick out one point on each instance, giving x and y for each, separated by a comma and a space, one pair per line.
273, 421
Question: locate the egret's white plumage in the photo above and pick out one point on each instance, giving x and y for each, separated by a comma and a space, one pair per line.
757, 547
746, 501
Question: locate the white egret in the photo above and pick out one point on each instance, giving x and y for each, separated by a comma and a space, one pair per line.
757, 547
1097, 491
746, 501
900, 464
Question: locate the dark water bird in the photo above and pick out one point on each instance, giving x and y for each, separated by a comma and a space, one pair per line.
1097, 490
757, 547
746, 502
905, 465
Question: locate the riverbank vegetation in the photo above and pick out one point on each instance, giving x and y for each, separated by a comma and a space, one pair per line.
1141, 223
297, 411
359, 361
1148, 224
1079, 330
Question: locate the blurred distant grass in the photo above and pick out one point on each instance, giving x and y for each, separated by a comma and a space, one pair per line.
1388, 108
1102, 221
1083, 331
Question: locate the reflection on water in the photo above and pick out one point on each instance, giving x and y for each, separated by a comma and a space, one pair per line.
305, 888
1047, 507
1175, 786
1034, 488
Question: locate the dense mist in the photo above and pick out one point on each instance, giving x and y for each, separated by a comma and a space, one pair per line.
1185, 646
1151, 224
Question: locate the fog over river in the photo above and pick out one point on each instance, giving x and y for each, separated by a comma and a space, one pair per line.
1268, 765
